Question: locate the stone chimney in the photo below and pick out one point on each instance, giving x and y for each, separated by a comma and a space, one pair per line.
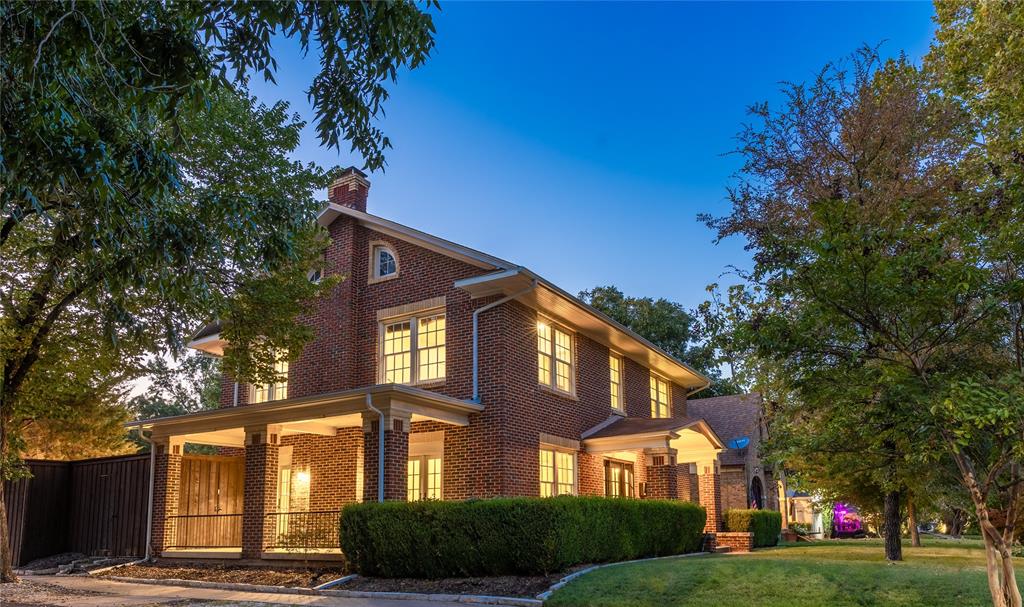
350, 189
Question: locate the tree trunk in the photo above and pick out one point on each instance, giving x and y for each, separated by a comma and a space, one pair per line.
6, 558
915, 537
891, 527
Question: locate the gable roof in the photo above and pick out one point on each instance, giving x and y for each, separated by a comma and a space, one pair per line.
731, 417
531, 289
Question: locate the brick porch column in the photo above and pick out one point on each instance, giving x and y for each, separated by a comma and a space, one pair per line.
396, 455
710, 491
260, 493
662, 476
166, 489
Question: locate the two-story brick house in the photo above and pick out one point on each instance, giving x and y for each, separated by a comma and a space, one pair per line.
436, 372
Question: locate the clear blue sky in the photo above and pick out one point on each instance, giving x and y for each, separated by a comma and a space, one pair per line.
582, 139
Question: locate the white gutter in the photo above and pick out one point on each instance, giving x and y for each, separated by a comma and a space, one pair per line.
380, 446
152, 487
476, 334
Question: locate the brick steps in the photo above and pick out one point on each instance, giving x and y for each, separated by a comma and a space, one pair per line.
723, 549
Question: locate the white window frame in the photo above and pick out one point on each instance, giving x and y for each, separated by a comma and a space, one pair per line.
275, 390
552, 380
414, 349
555, 451
376, 247
655, 404
423, 447
616, 389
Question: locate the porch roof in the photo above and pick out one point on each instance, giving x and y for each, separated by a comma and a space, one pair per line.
321, 414
692, 438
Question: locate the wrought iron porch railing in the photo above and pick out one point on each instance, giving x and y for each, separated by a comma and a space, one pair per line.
206, 530
305, 530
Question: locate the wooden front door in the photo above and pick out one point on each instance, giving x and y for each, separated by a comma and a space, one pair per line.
210, 501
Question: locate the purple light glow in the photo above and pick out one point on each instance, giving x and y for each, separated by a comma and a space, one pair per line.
845, 519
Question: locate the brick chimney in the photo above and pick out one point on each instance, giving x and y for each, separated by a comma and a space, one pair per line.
350, 189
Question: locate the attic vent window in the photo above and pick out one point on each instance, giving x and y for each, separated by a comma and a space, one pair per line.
383, 263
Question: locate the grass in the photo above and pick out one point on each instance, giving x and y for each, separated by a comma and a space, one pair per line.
833, 573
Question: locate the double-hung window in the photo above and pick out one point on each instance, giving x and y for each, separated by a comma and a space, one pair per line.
557, 472
615, 381
554, 357
275, 390
660, 397
413, 349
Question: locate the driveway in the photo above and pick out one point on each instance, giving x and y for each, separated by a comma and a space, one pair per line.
74, 591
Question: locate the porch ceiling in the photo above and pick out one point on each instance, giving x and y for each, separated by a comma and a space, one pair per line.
321, 414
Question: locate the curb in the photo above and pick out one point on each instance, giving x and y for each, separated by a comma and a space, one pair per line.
572, 576
354, 594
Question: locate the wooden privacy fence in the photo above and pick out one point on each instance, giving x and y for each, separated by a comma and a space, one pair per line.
95, 506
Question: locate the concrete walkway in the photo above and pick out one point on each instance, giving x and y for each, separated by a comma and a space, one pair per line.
97, 592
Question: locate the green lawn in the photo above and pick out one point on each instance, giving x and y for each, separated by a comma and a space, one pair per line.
833, 573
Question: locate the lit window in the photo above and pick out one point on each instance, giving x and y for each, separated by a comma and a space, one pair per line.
557, 473
554, 357
424, 479
278, 390
660, 406
398, 353
401, 363
618, 479
384, 263
430, 351
615, 379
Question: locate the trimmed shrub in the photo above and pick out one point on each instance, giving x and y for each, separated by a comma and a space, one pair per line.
512, 536
766, 525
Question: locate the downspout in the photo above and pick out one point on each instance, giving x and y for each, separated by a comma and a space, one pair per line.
380, 446
152, 488
476, 334
234, 397
698, 389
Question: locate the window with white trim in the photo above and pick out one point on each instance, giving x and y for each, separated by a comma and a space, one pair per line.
660, 397
424, 479
385, 263
554, 356
557, 472
278, 390
413, 349
615, 382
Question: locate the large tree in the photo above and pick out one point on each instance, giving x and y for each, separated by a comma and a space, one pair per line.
142, 193
666, 324
895, 258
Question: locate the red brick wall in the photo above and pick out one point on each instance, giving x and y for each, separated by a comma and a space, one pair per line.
396, 456
737, 541
166, 487
662, 482
688, 487
734, 488
711, 498
259, 498
332, 463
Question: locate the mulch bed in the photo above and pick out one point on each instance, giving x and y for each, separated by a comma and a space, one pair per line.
507, 585
293, 577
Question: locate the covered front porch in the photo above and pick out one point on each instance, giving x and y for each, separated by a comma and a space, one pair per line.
281, 471
676, 458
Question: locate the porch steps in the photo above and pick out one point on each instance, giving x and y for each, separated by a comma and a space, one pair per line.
723, 549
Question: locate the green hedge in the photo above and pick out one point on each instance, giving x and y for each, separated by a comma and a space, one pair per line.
766, 525
506, 536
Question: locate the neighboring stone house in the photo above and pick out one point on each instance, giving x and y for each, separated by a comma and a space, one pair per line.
746, 482
436, 372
